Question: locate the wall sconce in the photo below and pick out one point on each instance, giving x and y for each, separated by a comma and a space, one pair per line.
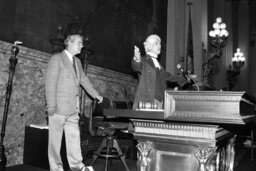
238, 61
219, 36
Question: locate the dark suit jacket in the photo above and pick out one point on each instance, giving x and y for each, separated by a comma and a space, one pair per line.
62, 84
152, 81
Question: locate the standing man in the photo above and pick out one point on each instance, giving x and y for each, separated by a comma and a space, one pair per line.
152, 77
64, 76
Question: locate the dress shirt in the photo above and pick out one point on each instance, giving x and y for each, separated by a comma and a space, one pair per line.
70, 56
154, 58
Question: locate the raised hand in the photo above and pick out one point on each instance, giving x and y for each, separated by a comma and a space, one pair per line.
100, 99
137, 56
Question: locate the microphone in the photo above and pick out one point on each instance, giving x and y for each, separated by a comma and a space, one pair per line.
188, 77
182, 71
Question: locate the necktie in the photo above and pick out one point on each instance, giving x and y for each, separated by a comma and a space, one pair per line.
74, 64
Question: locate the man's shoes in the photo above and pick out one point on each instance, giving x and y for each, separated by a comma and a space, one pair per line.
87, 168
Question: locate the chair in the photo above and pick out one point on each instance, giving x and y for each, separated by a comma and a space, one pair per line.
100, 126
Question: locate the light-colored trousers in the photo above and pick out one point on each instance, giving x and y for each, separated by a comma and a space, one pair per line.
68, 124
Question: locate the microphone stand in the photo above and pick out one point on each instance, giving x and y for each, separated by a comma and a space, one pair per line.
13, 61
188, 76
197, 87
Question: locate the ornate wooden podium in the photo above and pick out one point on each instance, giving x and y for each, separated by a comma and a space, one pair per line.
190, 133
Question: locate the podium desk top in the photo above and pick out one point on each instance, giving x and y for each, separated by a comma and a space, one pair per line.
159, 115
140, 114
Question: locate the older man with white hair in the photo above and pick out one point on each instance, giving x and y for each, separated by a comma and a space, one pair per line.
152, 76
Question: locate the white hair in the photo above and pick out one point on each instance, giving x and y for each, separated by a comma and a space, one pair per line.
150, 41
70, 38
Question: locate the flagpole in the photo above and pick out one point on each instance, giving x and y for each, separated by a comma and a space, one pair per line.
189, 51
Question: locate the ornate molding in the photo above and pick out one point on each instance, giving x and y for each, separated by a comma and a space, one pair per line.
144, 148
203, 154
171, 130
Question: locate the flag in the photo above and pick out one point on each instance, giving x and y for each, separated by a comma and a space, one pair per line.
190, 52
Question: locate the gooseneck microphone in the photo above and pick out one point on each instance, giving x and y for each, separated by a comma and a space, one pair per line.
182, 71
188, 76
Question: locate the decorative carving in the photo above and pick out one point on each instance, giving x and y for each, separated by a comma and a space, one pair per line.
144, 149
230, 157
203, 154
225, 156
208, 67
165, 130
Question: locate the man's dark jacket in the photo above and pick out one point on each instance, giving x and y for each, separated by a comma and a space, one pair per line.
152, 81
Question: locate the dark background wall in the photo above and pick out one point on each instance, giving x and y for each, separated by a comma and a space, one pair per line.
113, 26
252, 13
